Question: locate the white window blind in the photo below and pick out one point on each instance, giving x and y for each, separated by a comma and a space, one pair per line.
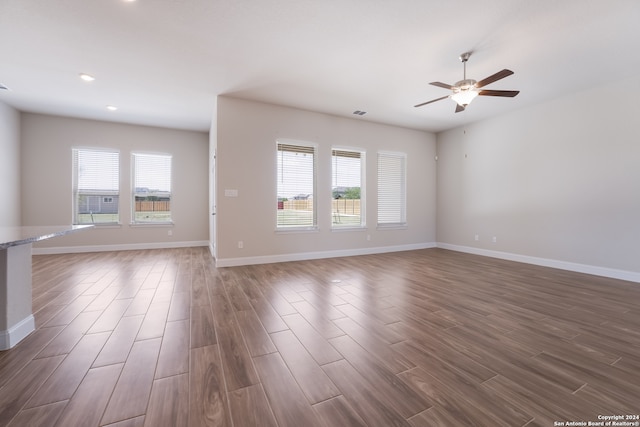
347, 205
151, 188
95, 186
296, 185
392, 189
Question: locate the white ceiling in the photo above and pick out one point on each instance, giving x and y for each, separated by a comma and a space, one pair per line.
163, 62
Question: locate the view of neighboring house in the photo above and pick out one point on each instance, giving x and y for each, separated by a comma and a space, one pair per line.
97, 202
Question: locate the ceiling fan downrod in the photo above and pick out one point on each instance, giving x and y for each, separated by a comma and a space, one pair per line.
464, 57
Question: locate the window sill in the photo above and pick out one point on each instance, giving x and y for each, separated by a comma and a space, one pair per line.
392, 227
104, 225
294, 230
351, 228
151, 224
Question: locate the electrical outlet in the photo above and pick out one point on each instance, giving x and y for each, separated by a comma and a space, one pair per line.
170, 233
477, 237
494, 239
240, 244
368, 237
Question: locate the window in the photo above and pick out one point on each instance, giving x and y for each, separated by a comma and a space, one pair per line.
296, 186
392, 209
347, 204
151, 188
96, 179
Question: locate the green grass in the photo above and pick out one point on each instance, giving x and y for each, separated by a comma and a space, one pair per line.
153, 216
345, 220
286, 218
294, 218
98, 218
114, 218
297, 218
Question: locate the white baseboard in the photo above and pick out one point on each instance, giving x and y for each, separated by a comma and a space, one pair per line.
631, 276
269, 259
123, 247
17, 333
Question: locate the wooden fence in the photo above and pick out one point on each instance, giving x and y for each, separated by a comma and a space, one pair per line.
153, 206
346, 206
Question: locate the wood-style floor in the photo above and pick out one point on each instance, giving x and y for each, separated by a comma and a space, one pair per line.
420, 338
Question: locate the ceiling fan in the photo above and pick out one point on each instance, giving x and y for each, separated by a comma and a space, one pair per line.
466, 90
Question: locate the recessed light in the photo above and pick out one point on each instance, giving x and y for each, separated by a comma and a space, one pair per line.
87, 77
112, 107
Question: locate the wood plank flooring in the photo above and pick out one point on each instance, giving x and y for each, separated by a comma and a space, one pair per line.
419, 338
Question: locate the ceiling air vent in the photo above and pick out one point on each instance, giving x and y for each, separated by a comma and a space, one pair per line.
359, 113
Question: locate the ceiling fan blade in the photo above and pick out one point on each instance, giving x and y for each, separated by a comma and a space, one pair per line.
507, 93
495, 77
433, 100
442, 85
459, 108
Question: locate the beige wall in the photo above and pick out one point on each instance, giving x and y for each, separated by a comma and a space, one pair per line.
246, 143
46, 180
213, 144
557, 181
560, 180
9, 166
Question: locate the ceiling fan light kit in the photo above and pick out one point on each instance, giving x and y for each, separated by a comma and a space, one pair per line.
464, 93
466, 90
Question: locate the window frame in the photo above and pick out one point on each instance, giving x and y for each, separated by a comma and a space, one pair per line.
75, 215
304, 146
402, 179
134, 193
362, 156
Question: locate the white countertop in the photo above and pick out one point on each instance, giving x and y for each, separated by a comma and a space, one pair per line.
14, 236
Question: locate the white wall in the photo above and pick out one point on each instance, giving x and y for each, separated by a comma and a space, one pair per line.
246, 144
558, 181
9, 166
46, 180
213, 145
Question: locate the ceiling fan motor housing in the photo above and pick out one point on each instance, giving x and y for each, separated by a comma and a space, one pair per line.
464, 85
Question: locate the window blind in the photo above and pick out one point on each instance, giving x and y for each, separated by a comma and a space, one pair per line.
151, 188
392, 188
296, 176
95, 186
